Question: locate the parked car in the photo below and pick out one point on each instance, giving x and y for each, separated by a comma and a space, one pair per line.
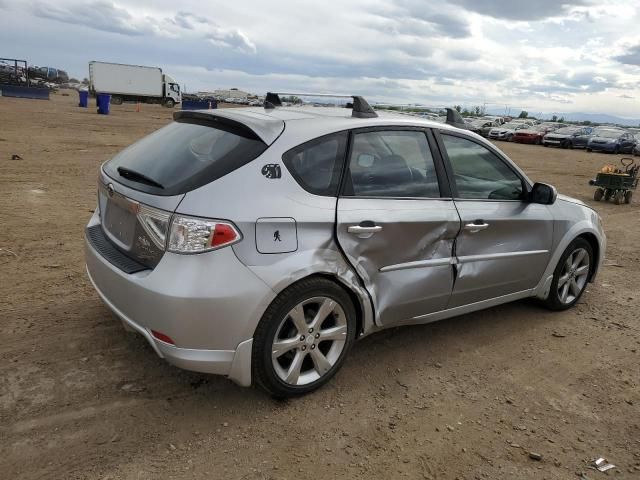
274, 287
507, 131
611, 140
500, 120
636, 148
568, 137
483, 126
530, 135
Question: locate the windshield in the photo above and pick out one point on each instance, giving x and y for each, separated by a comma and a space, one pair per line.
514, 125
608, 133
567, 130
181, 157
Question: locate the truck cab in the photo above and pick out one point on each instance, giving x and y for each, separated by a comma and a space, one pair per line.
172, 94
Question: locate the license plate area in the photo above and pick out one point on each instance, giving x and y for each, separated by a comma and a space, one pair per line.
120, 220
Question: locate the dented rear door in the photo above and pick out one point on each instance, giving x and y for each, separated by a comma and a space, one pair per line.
396, 225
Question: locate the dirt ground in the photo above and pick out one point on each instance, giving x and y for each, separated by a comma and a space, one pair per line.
466, 398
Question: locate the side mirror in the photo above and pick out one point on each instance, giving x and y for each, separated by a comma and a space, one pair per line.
543, 194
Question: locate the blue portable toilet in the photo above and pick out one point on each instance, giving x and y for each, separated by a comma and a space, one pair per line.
103, 100
84, 98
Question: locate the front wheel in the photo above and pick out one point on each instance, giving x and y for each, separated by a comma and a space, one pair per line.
589, 150
627, 196
618, 199
303, 338
116, 100
599, 193
169, 103
571, 275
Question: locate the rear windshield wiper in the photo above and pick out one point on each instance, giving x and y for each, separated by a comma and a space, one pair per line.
138, 177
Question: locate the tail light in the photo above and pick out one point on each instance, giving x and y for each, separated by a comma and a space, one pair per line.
197, 235
155, 222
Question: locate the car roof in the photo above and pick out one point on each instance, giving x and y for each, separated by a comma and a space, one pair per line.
268, 124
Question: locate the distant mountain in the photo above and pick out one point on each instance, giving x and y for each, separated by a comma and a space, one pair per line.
581, 117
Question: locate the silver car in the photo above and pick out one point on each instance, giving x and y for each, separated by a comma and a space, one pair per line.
259, 243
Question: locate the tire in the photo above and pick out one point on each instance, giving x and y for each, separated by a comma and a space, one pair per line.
628, 196
509, 138
169, 103
618, 199
616, 150
599, 193
317, 360
563, 295
545, 144
538, 141
589, 150
570, 145
607, 195
116, 100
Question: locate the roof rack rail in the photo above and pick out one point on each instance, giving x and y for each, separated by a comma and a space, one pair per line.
453, 116
360, 107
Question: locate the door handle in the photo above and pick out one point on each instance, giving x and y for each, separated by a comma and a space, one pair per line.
357, 229
476, 226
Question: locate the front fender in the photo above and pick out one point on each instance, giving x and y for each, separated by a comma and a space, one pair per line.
581, 228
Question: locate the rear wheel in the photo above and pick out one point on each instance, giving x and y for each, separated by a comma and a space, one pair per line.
616, 150
607, 195
509, 138
571, 275
116, 100
627, 196
570, 145
538, 141
303, 338
619, 197
589, 150
599, 193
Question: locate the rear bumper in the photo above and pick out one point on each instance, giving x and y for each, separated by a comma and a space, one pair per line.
209, 304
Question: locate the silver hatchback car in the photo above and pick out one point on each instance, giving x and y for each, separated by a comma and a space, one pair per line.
259, 243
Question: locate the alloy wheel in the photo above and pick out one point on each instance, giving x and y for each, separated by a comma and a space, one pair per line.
309, 341
574, 275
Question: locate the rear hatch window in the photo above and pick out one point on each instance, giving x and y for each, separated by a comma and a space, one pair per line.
185, 155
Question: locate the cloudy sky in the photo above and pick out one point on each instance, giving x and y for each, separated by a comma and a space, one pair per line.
538, 55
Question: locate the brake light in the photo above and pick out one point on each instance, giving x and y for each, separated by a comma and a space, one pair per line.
162, 337
223, 234
197, 235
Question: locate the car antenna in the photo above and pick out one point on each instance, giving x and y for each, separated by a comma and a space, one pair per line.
360, 108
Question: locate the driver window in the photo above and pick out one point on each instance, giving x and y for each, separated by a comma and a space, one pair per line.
479, 173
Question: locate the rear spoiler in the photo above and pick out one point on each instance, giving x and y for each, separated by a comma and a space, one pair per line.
267, 130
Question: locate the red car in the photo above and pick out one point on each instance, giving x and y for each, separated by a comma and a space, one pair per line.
532, 135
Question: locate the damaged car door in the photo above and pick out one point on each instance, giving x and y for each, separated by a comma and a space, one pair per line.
396, 222
505, 241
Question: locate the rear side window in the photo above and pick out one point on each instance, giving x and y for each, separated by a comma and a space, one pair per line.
316, 165
183, 156
392, 163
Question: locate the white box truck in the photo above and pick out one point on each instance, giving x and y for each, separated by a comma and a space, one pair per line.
133, 83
